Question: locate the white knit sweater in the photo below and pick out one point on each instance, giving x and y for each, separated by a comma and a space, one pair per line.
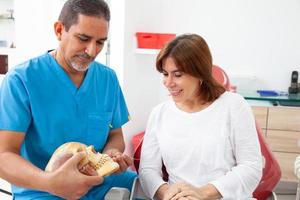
217, 145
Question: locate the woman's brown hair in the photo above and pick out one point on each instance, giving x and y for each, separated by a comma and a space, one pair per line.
191, 55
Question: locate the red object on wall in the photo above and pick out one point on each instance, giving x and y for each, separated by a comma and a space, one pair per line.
153, 40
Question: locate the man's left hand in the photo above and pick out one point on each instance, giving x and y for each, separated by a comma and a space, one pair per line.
123, 160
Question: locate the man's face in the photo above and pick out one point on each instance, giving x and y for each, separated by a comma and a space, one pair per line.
83, 42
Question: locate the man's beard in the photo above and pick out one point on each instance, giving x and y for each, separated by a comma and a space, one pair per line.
78, 67
81, 67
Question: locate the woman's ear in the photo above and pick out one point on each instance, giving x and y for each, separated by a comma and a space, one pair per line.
58, 29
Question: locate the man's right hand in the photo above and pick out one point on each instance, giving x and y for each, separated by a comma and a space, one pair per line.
63, 157
67, 181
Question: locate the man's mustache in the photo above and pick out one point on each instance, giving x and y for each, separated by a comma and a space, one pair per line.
86, 56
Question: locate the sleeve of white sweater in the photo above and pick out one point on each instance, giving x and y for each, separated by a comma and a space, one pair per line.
243, 178
150, 173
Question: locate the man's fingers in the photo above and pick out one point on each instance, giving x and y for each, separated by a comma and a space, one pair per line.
113, 153
61, 159
75, 159
94, 180
128, 160
88, 170
122, 163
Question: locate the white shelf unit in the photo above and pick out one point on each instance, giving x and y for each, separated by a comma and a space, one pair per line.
7, 23
7, 30
6, 51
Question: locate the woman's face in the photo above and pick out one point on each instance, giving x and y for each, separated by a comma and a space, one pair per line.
183, 87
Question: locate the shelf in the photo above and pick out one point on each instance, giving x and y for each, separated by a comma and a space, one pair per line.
8, 14
147, 51
6, 50
7, 18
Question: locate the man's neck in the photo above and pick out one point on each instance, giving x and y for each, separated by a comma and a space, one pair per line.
77, 77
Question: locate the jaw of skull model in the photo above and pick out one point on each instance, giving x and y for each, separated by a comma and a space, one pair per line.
102, 163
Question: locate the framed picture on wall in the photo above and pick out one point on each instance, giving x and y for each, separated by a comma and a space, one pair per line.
3, 64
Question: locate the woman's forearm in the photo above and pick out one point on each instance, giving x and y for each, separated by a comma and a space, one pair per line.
161, 191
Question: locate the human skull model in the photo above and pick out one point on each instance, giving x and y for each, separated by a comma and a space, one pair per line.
102, 163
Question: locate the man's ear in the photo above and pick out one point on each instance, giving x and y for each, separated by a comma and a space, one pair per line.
58, 29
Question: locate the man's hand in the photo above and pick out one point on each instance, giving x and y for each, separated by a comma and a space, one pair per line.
88, 170
123, 160
67, 181
62, 158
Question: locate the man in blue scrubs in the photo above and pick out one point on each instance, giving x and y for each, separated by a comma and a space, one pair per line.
64, 96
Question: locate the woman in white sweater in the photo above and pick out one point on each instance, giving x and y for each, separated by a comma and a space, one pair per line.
205, 136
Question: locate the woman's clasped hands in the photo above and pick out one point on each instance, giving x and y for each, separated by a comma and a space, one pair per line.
183, 191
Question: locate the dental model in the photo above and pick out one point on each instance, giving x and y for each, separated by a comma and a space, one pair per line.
102, 163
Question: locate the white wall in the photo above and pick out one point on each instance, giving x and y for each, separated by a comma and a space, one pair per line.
253, 39
35, 28
116, 37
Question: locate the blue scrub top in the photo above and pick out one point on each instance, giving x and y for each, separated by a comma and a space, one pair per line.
39, 99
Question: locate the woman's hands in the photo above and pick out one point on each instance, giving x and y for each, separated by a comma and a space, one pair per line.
185, 191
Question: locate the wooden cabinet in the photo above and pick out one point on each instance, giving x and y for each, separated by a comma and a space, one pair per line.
284, 141
284, 118
286, 162
281, 126
261, 116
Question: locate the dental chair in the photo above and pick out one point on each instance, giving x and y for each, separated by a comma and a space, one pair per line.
271, 169
5, 190
222, 78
